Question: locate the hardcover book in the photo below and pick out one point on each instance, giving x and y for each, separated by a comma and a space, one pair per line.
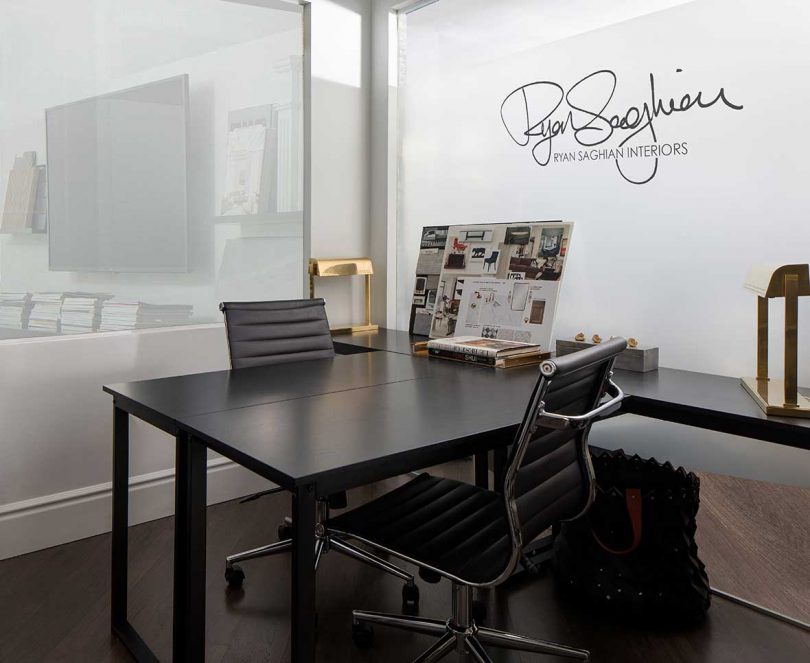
487, 352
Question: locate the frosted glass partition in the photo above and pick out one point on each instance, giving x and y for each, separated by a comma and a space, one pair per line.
117, 189
665, 130
151, 161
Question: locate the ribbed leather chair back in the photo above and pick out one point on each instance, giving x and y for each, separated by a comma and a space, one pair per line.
552, 474
261, 333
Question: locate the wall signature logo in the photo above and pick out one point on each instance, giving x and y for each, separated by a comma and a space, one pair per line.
537, 113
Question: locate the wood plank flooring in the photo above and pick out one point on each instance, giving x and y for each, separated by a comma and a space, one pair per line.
754, 538
54, 603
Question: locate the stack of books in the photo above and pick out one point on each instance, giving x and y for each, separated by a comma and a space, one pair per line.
119, 315
46, 310
81, 312
15, 307
486, 351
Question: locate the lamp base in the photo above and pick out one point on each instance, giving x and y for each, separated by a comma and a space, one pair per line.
770, 396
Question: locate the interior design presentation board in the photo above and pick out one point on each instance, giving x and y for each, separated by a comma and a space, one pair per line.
428, 269
499, 280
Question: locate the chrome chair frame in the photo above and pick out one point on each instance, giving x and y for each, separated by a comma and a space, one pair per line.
325, 541
460, 633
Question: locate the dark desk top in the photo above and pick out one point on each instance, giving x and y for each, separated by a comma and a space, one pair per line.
386, 340
380, 413
357, 418
164, 400
349, 438
715, 402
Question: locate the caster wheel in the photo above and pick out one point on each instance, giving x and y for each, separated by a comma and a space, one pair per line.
285, 532
410, 599
362, 635
479, 612
234, 575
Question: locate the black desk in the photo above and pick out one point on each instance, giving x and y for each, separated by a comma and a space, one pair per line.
388, 340
319, 427
312, 427
713, 402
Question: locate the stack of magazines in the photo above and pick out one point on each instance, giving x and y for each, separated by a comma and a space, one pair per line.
15, 307
118, 315
46, 310
81, 312
486, 351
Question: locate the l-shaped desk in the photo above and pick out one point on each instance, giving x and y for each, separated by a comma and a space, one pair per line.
373, 412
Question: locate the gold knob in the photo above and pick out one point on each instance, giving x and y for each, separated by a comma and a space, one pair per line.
580, 336
632, 343
596, 338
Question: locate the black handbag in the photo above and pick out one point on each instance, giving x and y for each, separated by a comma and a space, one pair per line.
634, 552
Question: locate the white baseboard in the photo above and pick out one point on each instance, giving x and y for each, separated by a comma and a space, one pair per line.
51, 520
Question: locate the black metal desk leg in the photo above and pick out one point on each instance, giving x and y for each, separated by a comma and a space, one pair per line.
482, 469
189, 550
499, 462
120, 520
303, 575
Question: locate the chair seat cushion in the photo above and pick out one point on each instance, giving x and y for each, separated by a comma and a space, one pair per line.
455, 527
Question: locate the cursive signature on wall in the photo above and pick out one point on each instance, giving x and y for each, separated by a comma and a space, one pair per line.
589, 122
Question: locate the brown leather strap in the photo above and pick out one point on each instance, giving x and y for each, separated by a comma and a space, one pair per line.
632, 497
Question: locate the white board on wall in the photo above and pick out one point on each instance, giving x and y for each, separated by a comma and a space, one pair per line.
665, 260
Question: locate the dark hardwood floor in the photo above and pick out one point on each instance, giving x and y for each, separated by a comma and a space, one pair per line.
754, 538
54, 603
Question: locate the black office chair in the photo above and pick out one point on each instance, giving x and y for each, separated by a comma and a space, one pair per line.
474, 537
262, 333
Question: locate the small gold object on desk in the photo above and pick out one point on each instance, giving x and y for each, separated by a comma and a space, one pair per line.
323, 267
420, 348
776, 396
596, 338
580, 336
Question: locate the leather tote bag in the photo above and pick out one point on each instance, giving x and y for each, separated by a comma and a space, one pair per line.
633, 554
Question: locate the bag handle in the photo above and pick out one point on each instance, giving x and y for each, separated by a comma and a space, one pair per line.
632, 497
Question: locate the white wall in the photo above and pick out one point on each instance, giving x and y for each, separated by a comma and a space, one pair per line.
340, 146
56, 442
663, 261
383, 158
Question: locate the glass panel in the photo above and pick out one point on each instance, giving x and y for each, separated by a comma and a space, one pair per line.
150, 161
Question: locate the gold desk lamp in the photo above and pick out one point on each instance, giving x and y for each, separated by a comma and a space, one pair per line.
324, 267
780, 397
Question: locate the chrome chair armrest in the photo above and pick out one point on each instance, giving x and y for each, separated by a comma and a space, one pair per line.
562, 421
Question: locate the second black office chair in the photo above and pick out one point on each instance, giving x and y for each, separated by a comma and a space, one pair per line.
474, 537
262, 333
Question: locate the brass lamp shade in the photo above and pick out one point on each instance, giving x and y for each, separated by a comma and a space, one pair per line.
327, 267
340, 266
